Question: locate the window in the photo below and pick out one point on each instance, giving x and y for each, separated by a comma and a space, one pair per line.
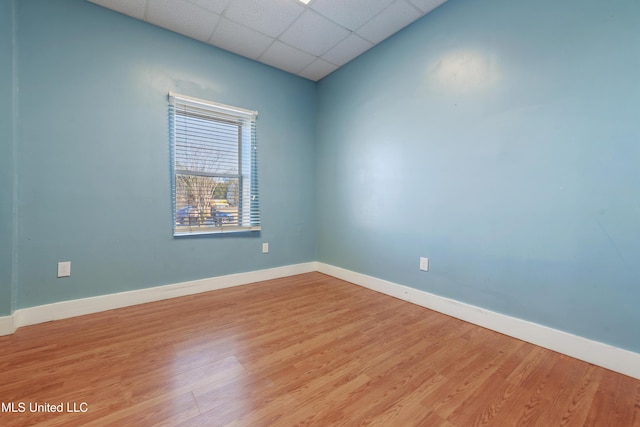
214, 167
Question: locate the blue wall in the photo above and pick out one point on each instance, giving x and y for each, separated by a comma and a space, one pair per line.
7, 173
501, 139
497, 138
93, 154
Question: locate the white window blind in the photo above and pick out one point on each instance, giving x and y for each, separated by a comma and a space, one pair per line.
214, 167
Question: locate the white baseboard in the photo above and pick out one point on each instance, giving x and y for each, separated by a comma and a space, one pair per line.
7, 326
597, 353
604, 355
79, 307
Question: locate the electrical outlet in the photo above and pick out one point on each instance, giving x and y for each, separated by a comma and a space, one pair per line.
424, 264
64, 269
265, 248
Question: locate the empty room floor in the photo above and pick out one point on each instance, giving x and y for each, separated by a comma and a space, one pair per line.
302, 350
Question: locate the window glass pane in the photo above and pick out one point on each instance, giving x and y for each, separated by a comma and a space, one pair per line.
206, 145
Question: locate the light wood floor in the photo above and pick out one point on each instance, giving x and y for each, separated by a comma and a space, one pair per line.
304, 350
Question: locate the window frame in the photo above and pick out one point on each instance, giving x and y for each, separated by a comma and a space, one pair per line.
247, 214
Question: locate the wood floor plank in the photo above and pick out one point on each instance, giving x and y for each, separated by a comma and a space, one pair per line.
303, 350
161, 411
494, 404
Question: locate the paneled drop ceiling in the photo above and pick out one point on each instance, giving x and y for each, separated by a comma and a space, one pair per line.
310, 40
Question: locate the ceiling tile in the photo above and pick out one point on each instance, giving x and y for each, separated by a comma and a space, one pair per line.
310, 40
182, 17
238, 39
427, 5
286, 58
389, 21
314, 33
134, 8
215, 6
348, 49
268, 17
318, 69
350, 14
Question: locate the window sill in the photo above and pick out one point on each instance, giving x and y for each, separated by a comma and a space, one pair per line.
205, 230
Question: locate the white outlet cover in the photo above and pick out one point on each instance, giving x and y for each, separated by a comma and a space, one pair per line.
424, 264
64, 269
265, 248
